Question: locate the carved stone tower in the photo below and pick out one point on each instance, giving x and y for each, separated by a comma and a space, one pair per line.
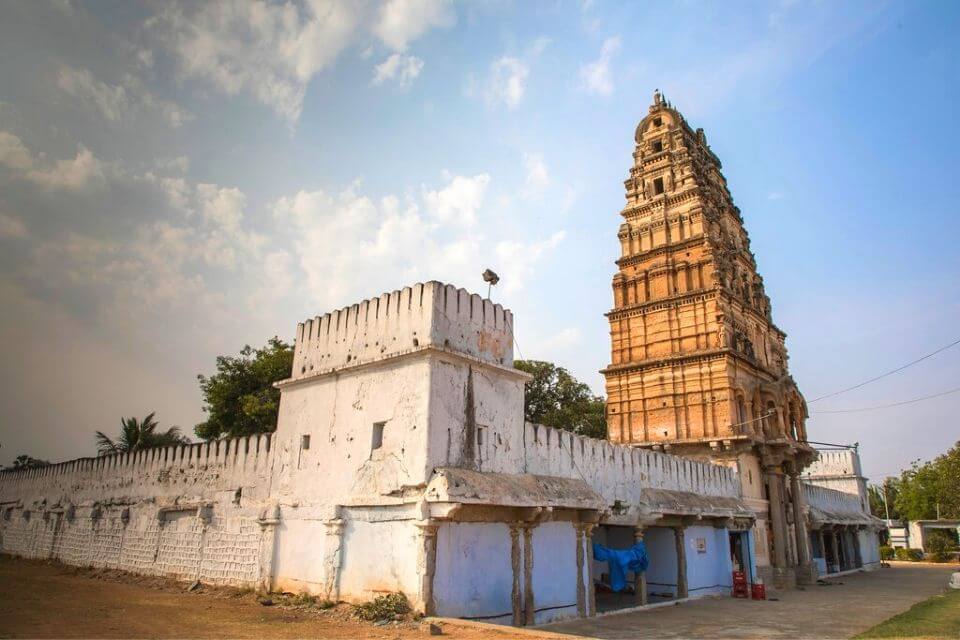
697, 365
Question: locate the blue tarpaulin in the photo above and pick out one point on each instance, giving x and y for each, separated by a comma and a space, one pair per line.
621, 561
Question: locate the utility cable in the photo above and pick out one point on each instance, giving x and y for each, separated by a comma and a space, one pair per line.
884, 375
893, 404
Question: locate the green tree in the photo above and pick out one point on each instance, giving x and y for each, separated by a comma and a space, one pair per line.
556, 399
949, 467
931, 489
890, 489
138, 434
24, 461
240, 398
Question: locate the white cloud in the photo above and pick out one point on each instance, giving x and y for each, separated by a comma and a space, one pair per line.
117, 102
459, 201
269, 50
538, 176
110, 101
13, 153
538, 46
221, 206
11, 227
179, 164
507, 82
563, 339
518, 259
349, 245
774, 195
82, 170
400, 67
595, 77
402, 21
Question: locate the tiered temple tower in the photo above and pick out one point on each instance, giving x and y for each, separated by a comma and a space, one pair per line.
697, 366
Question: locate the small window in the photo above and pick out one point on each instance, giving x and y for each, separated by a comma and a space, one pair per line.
657, 146
304, 442
377, 440
657, 122
657, 186
480, 431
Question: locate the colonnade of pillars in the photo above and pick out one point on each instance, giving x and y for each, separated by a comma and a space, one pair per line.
776, 479
522, 558
844, 545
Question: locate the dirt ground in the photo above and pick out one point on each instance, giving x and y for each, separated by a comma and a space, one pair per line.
49, 600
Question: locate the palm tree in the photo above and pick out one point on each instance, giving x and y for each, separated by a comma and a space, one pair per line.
138, 434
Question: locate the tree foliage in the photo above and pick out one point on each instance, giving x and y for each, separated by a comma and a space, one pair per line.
930, 489
240, 398
23, 461
138, 434
890, 487
556, 399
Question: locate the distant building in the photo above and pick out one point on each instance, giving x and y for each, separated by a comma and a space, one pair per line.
914, 534
843, 533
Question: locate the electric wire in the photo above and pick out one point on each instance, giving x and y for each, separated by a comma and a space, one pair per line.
892, 404
884, 375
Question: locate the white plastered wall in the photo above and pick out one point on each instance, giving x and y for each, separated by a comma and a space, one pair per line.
474, 575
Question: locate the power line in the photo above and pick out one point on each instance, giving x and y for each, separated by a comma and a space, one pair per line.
893, 404
884, 375
832, 444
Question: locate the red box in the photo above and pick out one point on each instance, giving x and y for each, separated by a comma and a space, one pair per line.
759, 591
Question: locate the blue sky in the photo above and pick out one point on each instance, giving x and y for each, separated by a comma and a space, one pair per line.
179, 179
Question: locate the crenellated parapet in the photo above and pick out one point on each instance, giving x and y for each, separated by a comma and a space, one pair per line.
144, 475
621, 473
426, 315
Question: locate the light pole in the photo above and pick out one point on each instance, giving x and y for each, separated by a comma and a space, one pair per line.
886, 506
491, 278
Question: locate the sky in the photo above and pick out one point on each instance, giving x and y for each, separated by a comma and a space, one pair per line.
179, 179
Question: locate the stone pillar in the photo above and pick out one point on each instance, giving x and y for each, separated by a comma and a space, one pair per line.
529, 607
806, 572
837, 551
591, 588
847, 556
857, 557
680, 539
427, 564
777, 518
268, 522
333, 546
640, 582
581, 587
823, 545
516, 598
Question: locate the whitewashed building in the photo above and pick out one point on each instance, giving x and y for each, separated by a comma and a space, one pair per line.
401, 462
843, 533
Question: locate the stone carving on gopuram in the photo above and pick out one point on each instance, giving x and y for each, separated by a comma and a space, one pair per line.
698, 368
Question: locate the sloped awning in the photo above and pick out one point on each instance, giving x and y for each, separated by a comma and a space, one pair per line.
683, 503
821, 517
465, 486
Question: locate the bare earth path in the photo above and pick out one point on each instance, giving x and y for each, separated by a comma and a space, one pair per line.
49, 600
836, 611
